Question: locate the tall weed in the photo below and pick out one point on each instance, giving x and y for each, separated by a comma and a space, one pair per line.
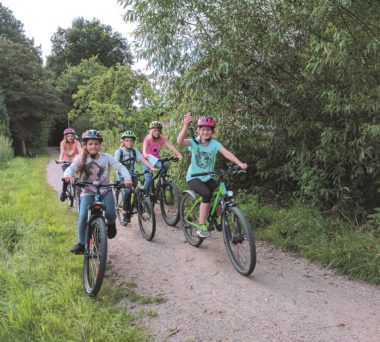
6, 151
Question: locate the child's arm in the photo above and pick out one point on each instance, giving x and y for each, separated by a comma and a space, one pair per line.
144, 149
181, 141
174, 150
230, 156
79, 147
61, 147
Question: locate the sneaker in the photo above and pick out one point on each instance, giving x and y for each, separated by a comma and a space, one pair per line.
127, 218
203, 231
78, 248
62, 197
111, 231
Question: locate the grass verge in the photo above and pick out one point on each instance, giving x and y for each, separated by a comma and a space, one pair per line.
351, 251
41, 293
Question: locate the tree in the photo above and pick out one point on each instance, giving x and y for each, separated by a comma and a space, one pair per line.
11, 28
29, 94
4, 118
85, 39
117, 98
297, 81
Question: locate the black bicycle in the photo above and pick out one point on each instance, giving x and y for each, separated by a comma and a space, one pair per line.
165, 190
70, 190
95, 255
140, 204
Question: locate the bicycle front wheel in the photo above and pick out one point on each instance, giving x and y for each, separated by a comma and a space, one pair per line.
239, 240
146, 217
95, 257
70, 195
119, 207
169, 203
189, 219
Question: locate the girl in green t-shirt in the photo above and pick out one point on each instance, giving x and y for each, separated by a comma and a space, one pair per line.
203, 157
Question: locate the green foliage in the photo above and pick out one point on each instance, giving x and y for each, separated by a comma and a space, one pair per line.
4, 118
304, 230
41, 289
11, 28
86, 39
6, 150
110, 100
28, 91
296, 81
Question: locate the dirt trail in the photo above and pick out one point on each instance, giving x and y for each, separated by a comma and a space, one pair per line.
285, 299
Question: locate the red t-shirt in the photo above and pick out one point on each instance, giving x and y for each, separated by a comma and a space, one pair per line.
154, 146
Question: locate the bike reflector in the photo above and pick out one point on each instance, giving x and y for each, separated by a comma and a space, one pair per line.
97, 206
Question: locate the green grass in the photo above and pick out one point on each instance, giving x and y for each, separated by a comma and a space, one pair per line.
41, 293
304, 230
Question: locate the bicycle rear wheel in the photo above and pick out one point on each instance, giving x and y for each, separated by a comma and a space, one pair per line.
189, 218
119, 207
169, 203
70, 195
146, 217
95, 257
239, 240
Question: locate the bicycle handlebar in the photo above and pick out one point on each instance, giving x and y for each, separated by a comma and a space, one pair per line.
231, 169
82, 183
63, 162
164, 160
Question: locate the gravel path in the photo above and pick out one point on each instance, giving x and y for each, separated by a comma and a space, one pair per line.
285, 299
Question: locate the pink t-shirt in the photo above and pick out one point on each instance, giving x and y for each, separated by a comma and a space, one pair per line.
154, 147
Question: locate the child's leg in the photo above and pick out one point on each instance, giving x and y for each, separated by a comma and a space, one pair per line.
64, 184
109, 202
148, 178
85, 201
203, 190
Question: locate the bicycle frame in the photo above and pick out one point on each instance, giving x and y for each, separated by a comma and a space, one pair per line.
217, 197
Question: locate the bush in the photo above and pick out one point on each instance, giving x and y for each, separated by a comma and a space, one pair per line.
6, 151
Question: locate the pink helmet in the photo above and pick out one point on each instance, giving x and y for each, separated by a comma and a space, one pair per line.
206, 121
68, 131
92, 134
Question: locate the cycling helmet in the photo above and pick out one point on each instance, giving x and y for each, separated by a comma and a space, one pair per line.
68, 131
92, 134
155, 124
207, 121
128, 134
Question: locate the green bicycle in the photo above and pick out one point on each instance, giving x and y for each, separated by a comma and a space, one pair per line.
237, 231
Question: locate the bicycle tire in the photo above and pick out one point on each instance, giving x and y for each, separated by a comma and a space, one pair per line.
169, 203
77, 198
146, 217
95, 257
70, 195
189, 231
238, 239
119, 207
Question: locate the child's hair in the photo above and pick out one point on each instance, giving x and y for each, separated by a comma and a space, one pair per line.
83, 157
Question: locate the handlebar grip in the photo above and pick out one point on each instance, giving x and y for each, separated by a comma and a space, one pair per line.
200, 174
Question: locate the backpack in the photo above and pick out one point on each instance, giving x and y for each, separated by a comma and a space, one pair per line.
131, 163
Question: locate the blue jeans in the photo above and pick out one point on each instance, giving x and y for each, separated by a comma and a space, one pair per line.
127, 193
64, 185
109, 202
149, 176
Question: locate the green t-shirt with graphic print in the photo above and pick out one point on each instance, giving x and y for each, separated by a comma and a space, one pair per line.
203, 159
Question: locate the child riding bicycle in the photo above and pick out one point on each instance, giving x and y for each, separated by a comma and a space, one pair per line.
93, 165
203, 157
70, 148
152, 145
129, 156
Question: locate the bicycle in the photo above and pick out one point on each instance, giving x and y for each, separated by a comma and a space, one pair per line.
96, 239
140, 204
237, 231
71, 194
165, 190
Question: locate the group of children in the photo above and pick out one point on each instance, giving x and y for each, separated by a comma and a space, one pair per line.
88, 163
